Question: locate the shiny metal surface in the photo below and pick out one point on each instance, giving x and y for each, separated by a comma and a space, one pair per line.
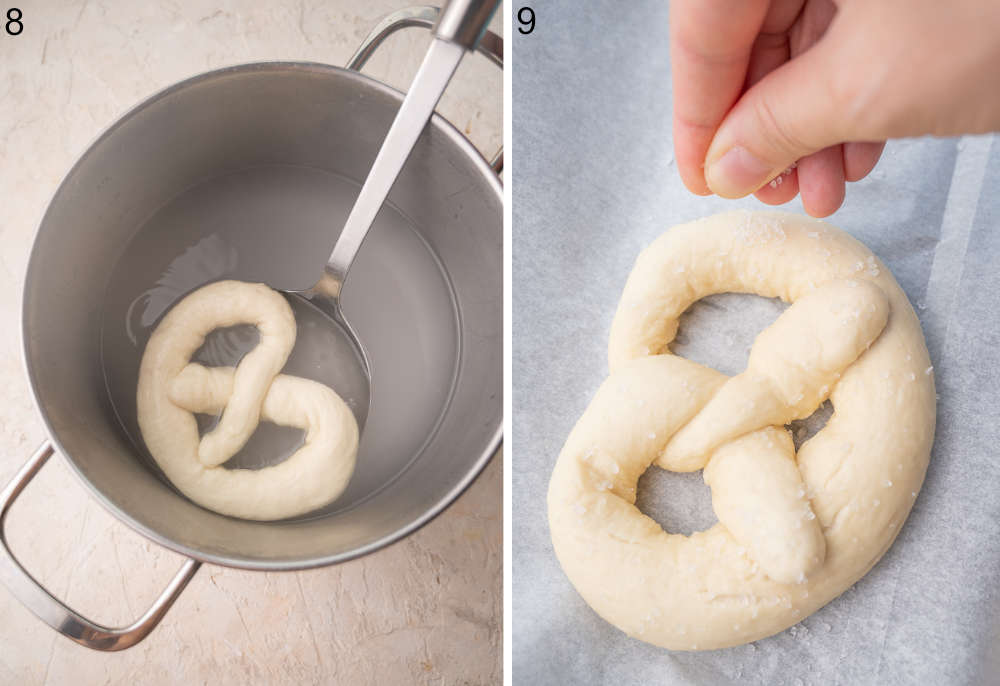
227, 122
428, 85
496, 164
51, 610
490, 45
464, 21
432, 78
269, 137
223, 122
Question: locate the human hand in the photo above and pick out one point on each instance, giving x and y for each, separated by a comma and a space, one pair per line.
760, 85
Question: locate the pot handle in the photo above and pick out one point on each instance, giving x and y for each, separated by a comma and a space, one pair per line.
490, 45
50, 609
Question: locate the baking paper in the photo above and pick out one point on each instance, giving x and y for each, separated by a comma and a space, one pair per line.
593, 183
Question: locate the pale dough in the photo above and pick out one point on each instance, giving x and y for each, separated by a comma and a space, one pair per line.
795, 530
171, 388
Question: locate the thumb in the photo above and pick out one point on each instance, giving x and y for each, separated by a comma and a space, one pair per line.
789, 114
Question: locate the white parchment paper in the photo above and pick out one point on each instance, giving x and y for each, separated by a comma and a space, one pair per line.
593, 183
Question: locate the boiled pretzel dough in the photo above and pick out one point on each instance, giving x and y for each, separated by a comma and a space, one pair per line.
795, 530
171, 388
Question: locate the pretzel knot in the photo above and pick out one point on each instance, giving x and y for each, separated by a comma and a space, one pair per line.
171, 389
794, 530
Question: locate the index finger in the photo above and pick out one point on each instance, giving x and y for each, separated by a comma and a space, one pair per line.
710, 45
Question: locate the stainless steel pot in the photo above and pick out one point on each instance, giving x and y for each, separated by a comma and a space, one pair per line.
301, 116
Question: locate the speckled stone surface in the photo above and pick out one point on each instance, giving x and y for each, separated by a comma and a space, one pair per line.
426, 610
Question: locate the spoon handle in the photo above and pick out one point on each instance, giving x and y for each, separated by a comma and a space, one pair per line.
435, 72
464, 21
459, 27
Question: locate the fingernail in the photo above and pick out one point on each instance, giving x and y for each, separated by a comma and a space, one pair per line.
737, 173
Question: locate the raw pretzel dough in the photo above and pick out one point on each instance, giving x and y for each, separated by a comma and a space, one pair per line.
171, 388
795, 530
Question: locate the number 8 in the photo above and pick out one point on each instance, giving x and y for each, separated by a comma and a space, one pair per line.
14, 21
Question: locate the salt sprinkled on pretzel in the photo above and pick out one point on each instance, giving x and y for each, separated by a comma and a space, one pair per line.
795, 529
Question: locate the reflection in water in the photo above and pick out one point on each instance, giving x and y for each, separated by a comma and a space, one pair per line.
210, 259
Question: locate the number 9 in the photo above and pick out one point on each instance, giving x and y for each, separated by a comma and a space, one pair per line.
526, 17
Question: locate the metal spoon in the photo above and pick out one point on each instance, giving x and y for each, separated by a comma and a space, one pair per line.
459, 28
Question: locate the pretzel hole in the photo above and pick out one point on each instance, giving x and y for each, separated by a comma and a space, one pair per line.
718, 330
225, 347
679, 502
270, 443
804, 429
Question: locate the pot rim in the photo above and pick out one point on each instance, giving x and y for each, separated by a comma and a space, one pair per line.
240, 562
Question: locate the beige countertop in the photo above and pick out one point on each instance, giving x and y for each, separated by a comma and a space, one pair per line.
426, 610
